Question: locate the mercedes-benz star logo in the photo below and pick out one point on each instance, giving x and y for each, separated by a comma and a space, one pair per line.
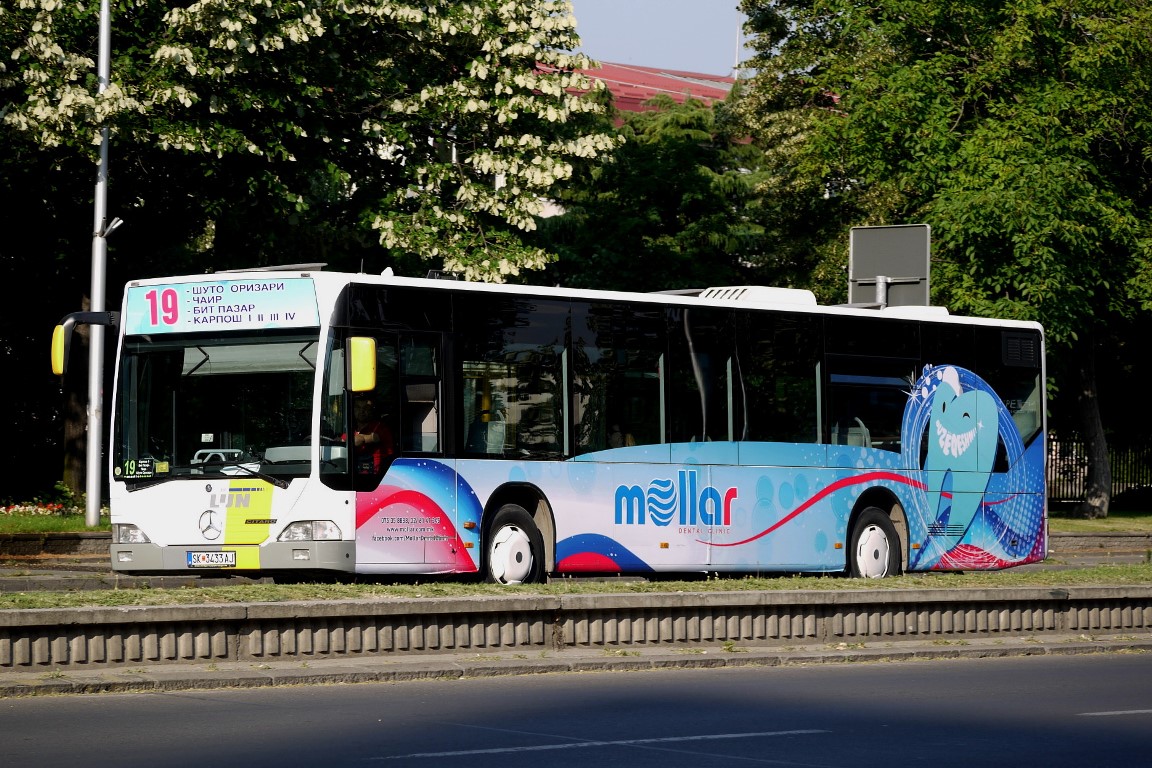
210, 525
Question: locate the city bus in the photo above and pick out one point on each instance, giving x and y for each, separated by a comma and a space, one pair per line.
292, 419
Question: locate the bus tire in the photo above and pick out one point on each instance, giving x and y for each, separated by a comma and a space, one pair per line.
874, 550
514, 553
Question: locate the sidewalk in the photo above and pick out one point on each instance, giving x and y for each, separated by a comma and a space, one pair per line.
179, 677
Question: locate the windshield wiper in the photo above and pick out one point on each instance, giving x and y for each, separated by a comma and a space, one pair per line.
212, 470
279, 482
134, 484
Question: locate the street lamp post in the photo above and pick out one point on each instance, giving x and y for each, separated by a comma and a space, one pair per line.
94, 473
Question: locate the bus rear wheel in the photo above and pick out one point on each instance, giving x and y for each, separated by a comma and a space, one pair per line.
515, 551
874, 550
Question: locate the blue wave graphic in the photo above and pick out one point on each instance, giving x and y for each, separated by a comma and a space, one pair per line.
602, 546
661, 501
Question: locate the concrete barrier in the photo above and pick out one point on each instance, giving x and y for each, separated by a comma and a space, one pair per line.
40, 544
1087, 543
97, 637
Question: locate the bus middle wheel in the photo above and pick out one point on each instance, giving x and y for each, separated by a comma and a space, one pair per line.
515, 551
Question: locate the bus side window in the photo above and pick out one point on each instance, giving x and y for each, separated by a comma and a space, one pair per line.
420, 393
777, 392
512, 358
617, 398
867, 397
1010, 361
700, 352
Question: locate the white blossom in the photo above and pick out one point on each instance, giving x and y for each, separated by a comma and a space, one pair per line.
218, 66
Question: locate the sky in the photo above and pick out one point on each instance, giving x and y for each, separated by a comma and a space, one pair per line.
690, 35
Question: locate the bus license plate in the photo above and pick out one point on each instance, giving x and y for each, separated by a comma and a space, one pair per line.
212, 559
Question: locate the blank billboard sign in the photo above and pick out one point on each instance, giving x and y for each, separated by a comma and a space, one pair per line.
898, 253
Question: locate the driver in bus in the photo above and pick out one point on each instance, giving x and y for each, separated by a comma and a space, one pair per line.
372, 440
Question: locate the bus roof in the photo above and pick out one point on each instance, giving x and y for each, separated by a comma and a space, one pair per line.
747, 297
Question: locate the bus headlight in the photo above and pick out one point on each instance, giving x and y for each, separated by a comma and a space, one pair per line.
311, 530
128, 534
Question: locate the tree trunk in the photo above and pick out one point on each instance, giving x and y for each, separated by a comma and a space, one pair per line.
1098, 483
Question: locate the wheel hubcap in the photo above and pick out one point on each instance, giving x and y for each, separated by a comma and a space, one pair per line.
510, 556
872, 552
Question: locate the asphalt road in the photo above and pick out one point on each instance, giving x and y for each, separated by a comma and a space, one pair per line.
1051, 711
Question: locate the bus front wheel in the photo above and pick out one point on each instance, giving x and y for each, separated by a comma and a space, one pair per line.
515, 551
875, 547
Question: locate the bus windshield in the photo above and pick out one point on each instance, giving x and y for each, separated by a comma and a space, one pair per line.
204, 404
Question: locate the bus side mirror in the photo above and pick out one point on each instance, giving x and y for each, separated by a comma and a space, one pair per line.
62, 335
362, 363
60, 343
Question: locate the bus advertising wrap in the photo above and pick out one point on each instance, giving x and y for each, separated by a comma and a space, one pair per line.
963, 511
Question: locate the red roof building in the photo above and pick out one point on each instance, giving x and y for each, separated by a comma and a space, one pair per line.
631, 85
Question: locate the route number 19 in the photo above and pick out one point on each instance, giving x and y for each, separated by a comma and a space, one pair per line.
165, 306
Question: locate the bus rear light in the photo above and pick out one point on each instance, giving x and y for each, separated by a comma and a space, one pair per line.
128, 534
311, 530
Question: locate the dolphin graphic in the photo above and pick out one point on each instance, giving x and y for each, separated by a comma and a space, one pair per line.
962, 434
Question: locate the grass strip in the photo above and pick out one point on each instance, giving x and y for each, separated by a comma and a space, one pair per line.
16, 523
1104, 575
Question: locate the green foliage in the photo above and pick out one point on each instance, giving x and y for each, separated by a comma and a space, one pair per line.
669, 209
1021, 132
314, 128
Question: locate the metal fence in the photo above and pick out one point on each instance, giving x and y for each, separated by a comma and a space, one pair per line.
1068, 468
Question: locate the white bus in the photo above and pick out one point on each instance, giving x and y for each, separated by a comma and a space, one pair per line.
520, 432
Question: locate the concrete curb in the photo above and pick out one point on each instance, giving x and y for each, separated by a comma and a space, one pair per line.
1118, 540
39, 544
306, 631
180, 677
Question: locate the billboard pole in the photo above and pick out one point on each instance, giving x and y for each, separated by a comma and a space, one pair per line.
93, 485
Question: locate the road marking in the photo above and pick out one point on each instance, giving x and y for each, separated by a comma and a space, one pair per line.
585, 744
1117, 712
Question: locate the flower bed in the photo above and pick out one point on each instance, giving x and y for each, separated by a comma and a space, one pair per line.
36, 508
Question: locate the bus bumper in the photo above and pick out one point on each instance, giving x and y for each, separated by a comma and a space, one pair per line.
274, 556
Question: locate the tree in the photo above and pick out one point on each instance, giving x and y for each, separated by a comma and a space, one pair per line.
666, 210
436, 129
257, 132
1021, 132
